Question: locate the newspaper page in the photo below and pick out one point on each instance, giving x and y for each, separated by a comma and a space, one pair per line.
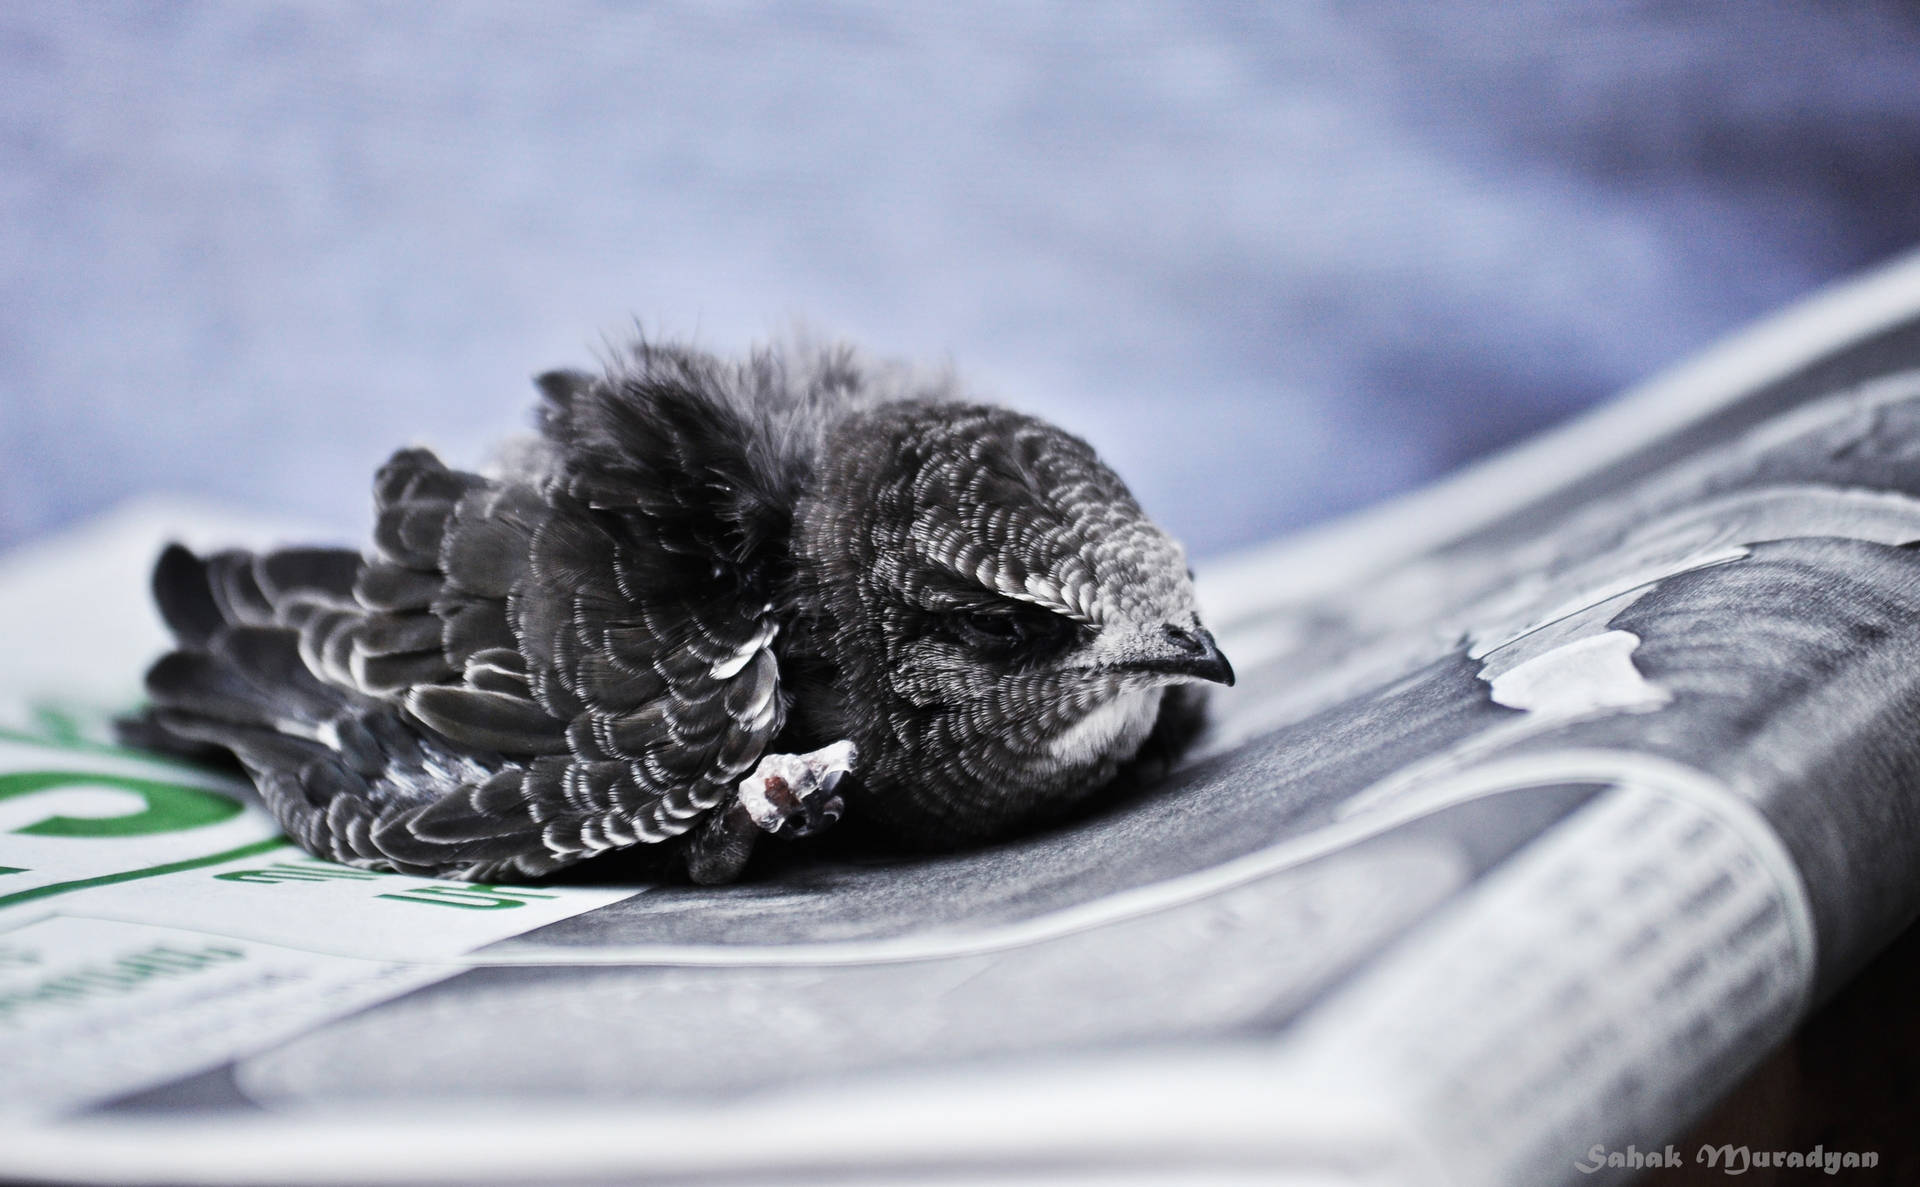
1547, 802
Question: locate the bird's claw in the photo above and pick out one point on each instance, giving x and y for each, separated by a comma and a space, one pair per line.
793, 793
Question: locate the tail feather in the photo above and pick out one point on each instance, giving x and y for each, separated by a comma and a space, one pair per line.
198, 684
383, 707
260, 749
268, 660
236, 672
343, 772
236, 590
302, 574
185, 597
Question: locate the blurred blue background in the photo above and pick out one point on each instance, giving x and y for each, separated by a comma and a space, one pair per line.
1276, 261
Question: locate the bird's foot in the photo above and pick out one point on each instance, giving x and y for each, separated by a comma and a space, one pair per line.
718, 850
793, 793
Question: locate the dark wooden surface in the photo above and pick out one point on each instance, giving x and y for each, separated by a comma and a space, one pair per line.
1848, 1080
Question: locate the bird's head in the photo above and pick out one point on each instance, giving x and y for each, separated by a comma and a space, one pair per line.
999, 617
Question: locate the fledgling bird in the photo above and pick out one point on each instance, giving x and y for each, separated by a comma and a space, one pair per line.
716, 600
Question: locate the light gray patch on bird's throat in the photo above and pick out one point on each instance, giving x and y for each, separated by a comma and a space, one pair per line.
1116, 728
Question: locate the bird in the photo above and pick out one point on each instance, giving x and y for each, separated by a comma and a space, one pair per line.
711, 600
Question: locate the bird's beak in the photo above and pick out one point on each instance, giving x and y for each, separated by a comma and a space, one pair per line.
1172, 650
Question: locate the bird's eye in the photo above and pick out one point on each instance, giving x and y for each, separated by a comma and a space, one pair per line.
1012, 631
989, 629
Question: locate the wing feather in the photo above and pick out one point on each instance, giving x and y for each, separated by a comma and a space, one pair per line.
487, 720
521, 673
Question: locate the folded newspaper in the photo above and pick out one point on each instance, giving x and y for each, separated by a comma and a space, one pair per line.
1549, 800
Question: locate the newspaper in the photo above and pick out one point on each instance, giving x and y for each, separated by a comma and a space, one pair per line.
1548, 801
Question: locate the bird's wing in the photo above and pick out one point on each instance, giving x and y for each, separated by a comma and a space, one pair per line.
505, 685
